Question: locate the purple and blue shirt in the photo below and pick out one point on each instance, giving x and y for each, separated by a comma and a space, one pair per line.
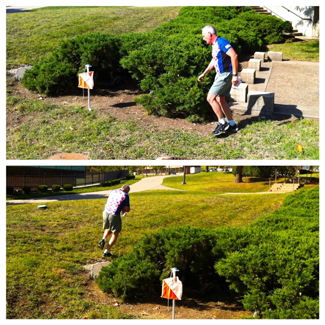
116, 201
222, 61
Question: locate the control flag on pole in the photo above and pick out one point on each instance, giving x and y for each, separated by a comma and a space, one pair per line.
172, 288
86, 80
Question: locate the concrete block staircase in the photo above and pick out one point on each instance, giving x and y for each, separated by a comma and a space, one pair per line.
262, 11
284, 187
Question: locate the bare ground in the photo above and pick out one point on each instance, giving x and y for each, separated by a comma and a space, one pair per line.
187, 308
121, 105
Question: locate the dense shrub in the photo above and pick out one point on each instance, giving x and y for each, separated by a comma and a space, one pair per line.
42, 188
277, 269
266, 171
164, 62
56, 188
26, 189
130, 177
140, 272
10, 190
110, 183
67, 187
58, 74
273, 264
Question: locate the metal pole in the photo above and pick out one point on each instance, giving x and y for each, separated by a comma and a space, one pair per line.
87, 66
184, 182
174, 270
173, 309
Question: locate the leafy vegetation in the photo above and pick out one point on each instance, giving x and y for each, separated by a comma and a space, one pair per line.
273, 263
46, 27
165, 61
48, 128
47, 249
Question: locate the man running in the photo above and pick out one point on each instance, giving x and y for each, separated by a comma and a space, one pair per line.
225, 62
117, 202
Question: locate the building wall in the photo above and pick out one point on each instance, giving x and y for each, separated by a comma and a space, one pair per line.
296, 15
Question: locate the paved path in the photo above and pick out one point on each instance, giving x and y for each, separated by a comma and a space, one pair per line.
295, 85
13, 9
145, 184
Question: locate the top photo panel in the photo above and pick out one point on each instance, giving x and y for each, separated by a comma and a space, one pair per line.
150, 83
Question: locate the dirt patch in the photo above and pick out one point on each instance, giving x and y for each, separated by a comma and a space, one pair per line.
121, 105
187, 308
69, 156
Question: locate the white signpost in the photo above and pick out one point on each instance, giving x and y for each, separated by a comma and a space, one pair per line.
172, 288
86, 81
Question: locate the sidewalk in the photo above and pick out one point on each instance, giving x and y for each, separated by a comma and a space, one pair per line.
295, 85
145, 184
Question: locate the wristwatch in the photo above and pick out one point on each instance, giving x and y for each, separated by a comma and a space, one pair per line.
234, 74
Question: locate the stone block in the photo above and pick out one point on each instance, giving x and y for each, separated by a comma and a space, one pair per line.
248, 76
255, 64
239, 94
275, 56
21, 71
259, 56
260, 103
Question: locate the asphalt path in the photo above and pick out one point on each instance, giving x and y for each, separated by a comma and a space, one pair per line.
13, 9
145, 184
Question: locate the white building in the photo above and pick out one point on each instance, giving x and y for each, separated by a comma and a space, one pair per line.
304, 19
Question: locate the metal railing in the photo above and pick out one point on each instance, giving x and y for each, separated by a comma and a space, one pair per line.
75, 179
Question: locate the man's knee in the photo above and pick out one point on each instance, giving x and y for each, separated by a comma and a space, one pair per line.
211, 98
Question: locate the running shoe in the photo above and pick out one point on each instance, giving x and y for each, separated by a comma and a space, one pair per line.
233, 128
220, 129
107, 254
101, 244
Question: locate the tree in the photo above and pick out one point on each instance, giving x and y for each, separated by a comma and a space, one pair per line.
239, 174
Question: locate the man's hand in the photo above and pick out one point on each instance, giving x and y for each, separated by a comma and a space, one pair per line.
235, 80
200, 78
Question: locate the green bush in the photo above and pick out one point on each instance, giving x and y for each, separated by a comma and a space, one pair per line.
110, 183
276, 267
140, 272
26, 189
164, 62
56, 188
273, 263
266, 171
10, 190
42, 188
58, 74
67, 187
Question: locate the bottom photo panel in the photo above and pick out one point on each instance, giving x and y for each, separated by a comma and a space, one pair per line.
162, 242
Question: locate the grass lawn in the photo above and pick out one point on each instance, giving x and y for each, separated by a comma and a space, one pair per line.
47, 129
43, 129
46, 249
307, 50
46, 27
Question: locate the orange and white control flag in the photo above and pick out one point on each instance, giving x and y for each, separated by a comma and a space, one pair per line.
86, 80
172, 288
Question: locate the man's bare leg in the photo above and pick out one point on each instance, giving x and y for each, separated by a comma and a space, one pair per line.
212, 100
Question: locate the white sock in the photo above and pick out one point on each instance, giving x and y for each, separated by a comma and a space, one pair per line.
106, 250
232, 122
222, 121
104, 238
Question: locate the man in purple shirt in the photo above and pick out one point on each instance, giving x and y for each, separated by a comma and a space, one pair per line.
225, 62
118, 202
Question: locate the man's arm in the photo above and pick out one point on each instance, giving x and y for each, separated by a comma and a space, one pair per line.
207, 70
234, 62
125, 209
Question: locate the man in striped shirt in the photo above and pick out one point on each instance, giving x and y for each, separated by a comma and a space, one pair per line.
118, 202
225, 62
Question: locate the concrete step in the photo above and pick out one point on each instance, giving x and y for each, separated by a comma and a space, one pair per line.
284, 187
